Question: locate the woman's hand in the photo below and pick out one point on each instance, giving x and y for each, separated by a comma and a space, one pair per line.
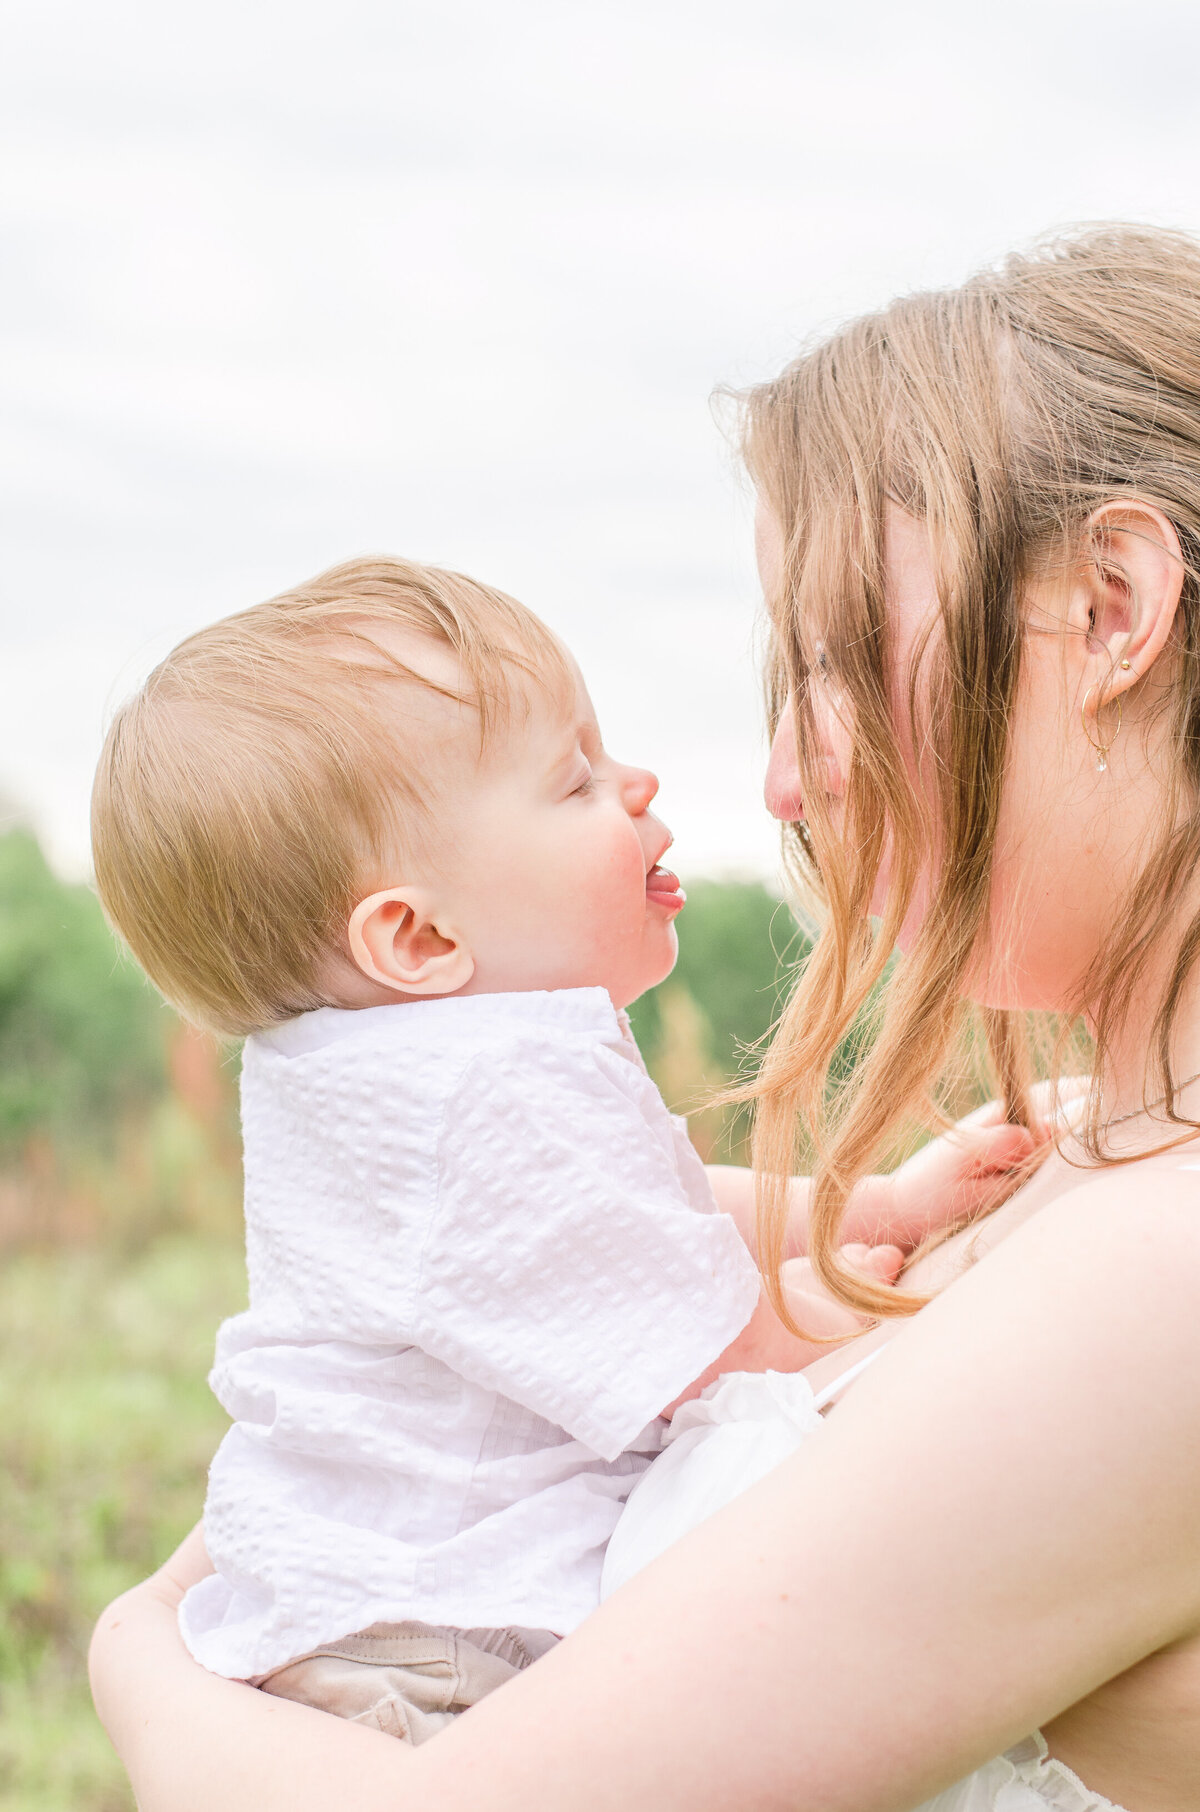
138, 1616
192, 1742
182, 1570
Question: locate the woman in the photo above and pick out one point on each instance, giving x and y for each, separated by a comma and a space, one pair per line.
980, 543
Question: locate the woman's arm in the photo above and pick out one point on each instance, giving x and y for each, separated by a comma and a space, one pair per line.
1003, 1513
193, 1742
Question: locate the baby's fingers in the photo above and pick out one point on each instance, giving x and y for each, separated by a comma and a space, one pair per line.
815, 1310
880, 1263
1000, 1147
819, 1317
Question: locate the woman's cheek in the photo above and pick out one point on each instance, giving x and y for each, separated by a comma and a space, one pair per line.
834, 724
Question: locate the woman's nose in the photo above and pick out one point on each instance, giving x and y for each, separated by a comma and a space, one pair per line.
781, 788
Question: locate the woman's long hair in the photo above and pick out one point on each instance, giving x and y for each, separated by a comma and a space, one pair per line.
1000, 414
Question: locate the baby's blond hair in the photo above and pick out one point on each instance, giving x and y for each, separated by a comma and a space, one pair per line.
249, 793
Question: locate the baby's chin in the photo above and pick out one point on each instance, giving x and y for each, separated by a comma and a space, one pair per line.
655, 971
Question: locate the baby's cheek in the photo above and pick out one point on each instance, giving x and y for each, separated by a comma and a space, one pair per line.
621, 878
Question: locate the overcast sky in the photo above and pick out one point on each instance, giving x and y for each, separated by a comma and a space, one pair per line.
283, 283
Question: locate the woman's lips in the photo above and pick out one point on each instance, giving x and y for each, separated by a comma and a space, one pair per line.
664, 889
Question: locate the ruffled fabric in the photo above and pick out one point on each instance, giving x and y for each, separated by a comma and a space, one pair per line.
1027, 1778
741, 1428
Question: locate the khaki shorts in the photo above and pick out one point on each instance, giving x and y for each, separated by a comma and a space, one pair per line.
407, 1679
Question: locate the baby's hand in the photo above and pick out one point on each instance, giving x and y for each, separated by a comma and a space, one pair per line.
966, 1172
815, 1310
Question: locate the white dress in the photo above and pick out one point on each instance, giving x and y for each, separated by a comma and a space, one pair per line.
740, 1429
1025, 1779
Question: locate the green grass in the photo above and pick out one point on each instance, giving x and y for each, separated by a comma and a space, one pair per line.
106, 1430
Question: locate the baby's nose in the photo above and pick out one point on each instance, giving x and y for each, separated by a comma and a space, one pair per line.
641, 787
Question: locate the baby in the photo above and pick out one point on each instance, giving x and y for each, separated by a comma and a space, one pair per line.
371, 826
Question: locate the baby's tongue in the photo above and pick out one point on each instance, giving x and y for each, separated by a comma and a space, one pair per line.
664, 886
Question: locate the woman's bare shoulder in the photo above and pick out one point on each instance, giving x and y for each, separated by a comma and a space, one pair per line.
1128, 1234
1123, 1209
1093, 1297
1129, 1231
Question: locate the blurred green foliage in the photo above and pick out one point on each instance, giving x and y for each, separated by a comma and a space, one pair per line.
738, 946
106, 1429
119, 1214
700, 1029
82, 1035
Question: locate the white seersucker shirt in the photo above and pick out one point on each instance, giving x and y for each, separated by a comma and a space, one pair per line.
482, 1258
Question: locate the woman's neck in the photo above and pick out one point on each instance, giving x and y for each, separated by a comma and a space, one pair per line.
1132, 1080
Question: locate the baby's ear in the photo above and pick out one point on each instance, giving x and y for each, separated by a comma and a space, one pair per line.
398, 939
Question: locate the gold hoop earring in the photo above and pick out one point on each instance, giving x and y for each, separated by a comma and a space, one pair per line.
1101, 748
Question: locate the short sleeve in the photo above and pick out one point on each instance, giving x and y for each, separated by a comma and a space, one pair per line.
571, 1264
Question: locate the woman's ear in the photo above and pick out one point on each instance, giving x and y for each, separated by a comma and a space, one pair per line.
1130, 596
396, 940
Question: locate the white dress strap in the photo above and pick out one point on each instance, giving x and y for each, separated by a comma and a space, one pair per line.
832, 1391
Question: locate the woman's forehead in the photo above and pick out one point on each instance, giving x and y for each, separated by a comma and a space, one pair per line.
910, 576
908, 560
768, 546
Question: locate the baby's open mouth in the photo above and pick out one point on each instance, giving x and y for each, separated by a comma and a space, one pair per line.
664, 888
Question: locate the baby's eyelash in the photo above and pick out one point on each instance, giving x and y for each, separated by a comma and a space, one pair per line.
585, 786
